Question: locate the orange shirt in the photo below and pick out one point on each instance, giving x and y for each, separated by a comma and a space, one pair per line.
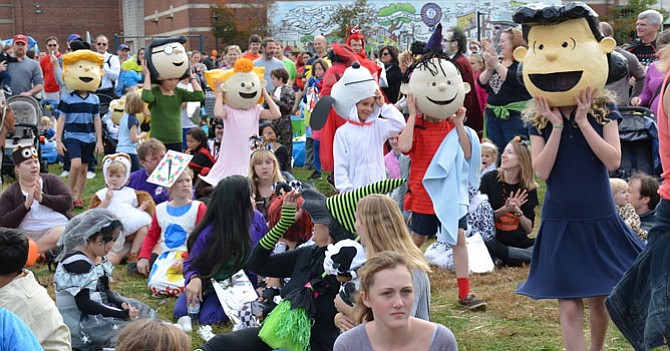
428, 137
250, 56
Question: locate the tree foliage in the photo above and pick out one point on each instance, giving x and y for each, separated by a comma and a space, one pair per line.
235, 26
623, 18
346, 16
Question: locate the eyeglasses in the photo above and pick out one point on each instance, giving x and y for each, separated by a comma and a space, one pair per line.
101, 44
385, 53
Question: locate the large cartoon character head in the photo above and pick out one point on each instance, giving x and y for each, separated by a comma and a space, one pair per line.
242, 86
82, 70
435, 81
167, 58
121, 158
437, 85
566, 52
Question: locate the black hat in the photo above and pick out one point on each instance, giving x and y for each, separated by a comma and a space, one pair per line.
315, 206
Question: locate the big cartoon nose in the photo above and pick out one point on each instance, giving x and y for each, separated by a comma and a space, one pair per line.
551, 55
442, 87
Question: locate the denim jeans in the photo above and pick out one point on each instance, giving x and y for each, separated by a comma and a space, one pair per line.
502, 131
640, 304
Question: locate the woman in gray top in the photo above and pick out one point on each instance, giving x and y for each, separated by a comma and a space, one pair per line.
386, 298
381, 227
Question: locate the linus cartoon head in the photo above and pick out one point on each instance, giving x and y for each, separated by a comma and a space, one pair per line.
167, 58
437, 84
82, 70
566, 52
242, 86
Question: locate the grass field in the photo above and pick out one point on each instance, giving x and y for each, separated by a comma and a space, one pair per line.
512, 322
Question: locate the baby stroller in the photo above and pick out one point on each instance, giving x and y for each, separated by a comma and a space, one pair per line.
109, 129
638, 133
27, 113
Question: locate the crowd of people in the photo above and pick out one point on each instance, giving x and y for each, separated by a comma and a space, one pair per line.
237, 207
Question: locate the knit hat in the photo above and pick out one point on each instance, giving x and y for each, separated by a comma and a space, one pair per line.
122, 158
343, 206
24, 152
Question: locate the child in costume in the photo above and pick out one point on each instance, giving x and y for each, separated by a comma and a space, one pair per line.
583, 247
123, 200
238, 93
171, 225
357, 150
93, 312
166, 63
445, 159
129, 129
79, 128
624, 208
196, 142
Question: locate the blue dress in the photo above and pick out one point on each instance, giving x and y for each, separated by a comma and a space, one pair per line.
583, 246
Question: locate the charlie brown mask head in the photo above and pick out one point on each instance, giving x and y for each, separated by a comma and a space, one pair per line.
566, 52
437, 85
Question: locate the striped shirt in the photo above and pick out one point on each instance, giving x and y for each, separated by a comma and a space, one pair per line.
428, 137
79, 114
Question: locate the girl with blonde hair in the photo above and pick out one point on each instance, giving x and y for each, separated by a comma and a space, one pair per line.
381, 227
385, 300
263, 174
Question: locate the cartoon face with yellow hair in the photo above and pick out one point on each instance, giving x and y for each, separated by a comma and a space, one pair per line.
82, 70
242, 86
566, 52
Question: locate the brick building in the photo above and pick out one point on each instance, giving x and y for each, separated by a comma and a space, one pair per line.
40, 19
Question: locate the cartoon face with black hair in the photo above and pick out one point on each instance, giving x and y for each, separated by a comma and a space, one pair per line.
438, 87
168, 59
562, 59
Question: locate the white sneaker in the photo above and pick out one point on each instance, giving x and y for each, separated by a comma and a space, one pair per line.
64, 174
90, 175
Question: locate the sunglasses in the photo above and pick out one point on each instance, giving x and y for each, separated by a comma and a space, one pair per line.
385, 53
52, 45
101, 44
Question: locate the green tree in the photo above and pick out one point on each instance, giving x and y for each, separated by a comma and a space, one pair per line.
346, 16
398, 14
623, 18
234, 25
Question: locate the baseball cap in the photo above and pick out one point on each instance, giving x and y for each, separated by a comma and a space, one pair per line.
122, 47
73, 37
20, 38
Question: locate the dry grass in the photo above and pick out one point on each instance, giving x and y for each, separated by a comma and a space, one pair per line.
511, 322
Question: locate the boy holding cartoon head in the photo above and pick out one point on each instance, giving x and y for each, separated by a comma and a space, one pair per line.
79, 128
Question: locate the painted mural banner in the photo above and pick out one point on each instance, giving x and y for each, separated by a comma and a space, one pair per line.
399, 24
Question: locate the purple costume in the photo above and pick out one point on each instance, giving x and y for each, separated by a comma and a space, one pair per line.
211, 311
138, 181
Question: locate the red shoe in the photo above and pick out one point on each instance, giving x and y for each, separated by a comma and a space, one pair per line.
78, 203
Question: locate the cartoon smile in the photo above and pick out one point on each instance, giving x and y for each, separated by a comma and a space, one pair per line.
441, 102
178, 63
556, 82
85, 79
248, 95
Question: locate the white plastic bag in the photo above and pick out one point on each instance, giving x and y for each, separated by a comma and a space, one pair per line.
236, 295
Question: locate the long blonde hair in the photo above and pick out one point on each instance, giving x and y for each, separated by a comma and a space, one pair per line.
598, 110
386, 230
257, 157
522, 151
382, 261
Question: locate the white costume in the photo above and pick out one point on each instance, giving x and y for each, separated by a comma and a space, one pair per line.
358, 146
124, 203
176, 224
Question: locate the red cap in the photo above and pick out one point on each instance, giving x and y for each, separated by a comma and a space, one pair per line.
20, 38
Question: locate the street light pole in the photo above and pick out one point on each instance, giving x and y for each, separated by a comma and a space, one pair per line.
216, 17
